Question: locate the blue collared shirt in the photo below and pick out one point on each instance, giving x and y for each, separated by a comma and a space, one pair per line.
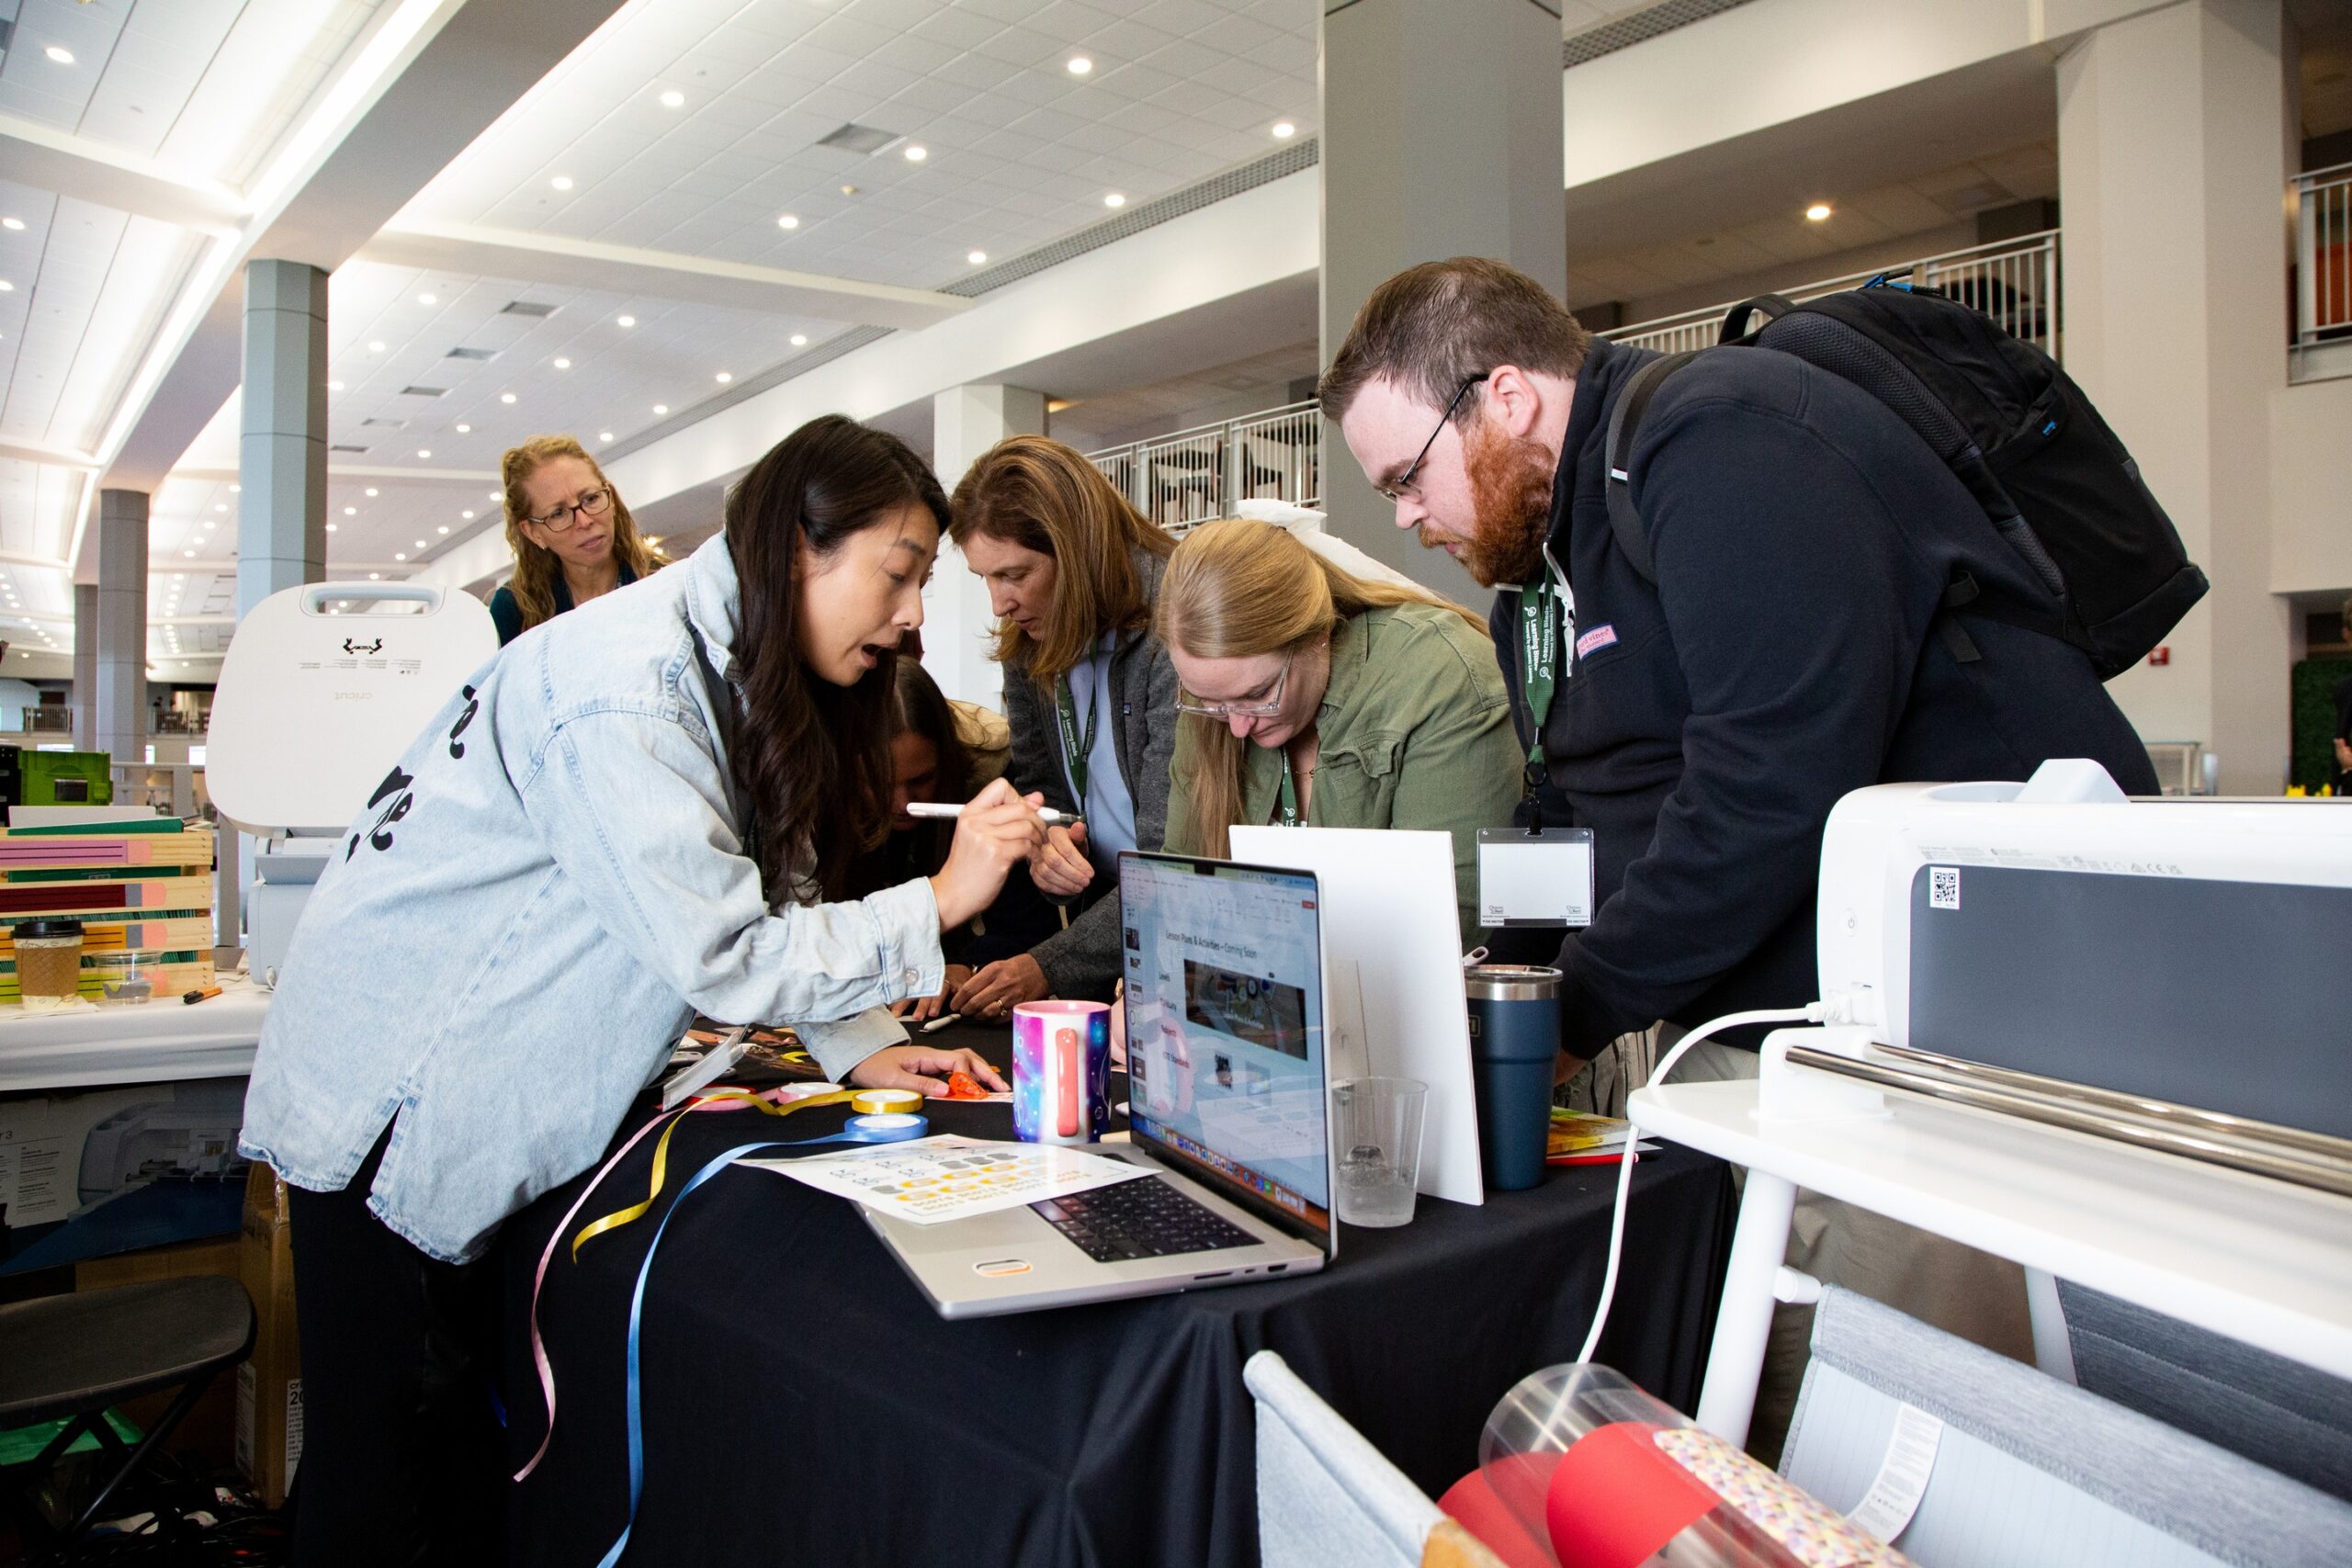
508, 942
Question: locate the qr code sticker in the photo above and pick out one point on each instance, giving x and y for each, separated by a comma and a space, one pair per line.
1944, 887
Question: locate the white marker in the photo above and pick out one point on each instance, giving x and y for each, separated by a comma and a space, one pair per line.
1046, 814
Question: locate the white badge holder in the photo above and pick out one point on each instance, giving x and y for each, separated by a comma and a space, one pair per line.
1534, 876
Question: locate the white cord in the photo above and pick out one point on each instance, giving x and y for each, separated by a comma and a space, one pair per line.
1816, 1012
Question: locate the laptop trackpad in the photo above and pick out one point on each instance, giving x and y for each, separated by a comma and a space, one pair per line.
1006, 1227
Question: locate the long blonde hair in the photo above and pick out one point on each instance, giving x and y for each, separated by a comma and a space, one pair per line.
537, 568
1236, 589
1044, 496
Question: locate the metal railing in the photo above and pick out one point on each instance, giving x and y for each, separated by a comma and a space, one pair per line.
1192, 476
2013, 281
2323, 255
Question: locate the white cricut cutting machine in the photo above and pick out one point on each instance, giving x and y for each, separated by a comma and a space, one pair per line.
324, 687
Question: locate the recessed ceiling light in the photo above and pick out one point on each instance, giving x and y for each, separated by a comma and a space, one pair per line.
465, 430
351, 511
331, 527
467, 514
13, 225
376, 347
234, 488
917, 152
603, 435
1079, 65
335, 386
445, 527
661, 408
419, 544
801, 340
210, 524
1115, 200
495, 495
563, 364
627, 320
506, 397
424, 451
674, 99
428, 298
189, 554
561, 182
223, 506
60, 53
849, 190
1285, 130
6, 287
400, 555
724, 376
787, 221
1818, 212
371, 491
976, 257
375, 577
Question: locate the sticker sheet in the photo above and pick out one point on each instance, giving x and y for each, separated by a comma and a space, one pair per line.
949, 1177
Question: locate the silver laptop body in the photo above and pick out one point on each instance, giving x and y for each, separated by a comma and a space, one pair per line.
1228, 1102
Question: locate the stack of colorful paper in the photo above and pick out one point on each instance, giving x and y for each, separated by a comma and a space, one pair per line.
138, 890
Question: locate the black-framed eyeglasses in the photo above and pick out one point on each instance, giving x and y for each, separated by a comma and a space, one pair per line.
590, 503
1396, 492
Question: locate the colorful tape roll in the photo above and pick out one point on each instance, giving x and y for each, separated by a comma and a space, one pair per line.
886, 1101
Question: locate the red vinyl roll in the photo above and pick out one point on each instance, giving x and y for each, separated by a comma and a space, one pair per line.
1616, 1498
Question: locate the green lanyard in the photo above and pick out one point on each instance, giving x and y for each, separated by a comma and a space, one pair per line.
1290, 794
1076, 747
1540, 655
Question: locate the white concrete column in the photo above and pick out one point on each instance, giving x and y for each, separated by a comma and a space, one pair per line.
121, 684
958, 627
1442, 137
2174, 150
85, 666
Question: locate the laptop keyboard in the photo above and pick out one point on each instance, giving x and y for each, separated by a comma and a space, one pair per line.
1148, 1218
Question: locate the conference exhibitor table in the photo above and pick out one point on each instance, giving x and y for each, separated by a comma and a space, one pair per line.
802, 1402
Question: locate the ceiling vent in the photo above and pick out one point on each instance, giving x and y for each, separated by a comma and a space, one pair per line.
863, 139
479, 355
531, 307
424, 391
384, 423
346, 446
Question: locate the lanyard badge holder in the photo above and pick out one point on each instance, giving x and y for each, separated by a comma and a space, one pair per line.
1536, 875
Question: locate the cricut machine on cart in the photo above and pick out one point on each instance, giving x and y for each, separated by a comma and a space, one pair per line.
323, 689
2108, 1039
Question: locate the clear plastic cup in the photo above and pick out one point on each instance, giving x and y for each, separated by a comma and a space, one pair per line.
129, 979
1377, 1129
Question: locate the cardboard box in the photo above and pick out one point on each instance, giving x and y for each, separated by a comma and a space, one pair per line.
269, 1385
209, 1429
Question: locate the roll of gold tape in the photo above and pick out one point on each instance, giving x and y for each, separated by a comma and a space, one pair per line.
885, 1101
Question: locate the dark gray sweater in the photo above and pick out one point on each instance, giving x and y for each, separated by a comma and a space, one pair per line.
1083, 961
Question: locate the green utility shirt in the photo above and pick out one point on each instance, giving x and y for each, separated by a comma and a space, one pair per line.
1414, 732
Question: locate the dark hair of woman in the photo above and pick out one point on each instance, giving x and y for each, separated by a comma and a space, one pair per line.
813, 758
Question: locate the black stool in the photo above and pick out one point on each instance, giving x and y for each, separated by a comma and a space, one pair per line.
75, 1354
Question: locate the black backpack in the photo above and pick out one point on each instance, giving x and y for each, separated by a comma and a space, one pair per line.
2060, 490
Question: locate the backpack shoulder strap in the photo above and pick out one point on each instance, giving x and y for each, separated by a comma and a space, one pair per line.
1625, 423
1764, 309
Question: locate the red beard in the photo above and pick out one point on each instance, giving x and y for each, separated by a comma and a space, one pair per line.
1510, 499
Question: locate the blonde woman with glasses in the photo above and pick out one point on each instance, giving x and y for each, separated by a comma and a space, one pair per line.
1314, 697
572, 537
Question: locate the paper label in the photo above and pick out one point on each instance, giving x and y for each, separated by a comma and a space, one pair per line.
1902, 1474
949, 1177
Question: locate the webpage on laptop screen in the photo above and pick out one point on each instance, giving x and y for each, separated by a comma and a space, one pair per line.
1225, 1026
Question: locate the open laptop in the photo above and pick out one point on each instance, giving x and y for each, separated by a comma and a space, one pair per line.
1228, 1103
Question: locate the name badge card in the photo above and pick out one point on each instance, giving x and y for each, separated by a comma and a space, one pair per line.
1534, 877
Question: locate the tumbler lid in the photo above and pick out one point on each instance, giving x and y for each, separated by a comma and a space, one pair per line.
53, 928
1511, 982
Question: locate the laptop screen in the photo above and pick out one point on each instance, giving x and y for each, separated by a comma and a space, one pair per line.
1224, 967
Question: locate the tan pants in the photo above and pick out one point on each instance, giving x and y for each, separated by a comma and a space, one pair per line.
1958, 1288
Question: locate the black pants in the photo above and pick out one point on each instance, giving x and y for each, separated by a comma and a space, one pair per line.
403, 1457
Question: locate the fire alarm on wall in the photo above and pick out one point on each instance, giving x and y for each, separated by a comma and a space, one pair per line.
2162, 655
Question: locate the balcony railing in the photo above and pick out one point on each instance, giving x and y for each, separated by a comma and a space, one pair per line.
2013, 281
2323, 255
1194, 475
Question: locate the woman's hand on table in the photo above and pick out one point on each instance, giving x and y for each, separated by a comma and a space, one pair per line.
922, 1010
997, 830
923, 1069
996, 990
1058, 864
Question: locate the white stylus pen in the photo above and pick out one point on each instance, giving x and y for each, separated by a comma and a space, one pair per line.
1046, 814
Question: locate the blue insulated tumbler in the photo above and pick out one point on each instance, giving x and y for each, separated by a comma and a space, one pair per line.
1514, 1043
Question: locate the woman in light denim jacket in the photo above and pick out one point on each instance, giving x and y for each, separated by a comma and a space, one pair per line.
636, 812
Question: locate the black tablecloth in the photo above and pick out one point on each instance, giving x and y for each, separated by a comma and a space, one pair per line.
803, 1403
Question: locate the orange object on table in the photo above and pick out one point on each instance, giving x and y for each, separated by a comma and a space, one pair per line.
963, 1086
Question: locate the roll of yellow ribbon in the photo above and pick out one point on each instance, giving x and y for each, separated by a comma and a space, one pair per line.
885, 1101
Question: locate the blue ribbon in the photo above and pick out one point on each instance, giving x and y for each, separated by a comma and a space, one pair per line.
860, 1130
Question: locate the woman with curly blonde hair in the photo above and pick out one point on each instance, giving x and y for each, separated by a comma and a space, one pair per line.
572, 537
